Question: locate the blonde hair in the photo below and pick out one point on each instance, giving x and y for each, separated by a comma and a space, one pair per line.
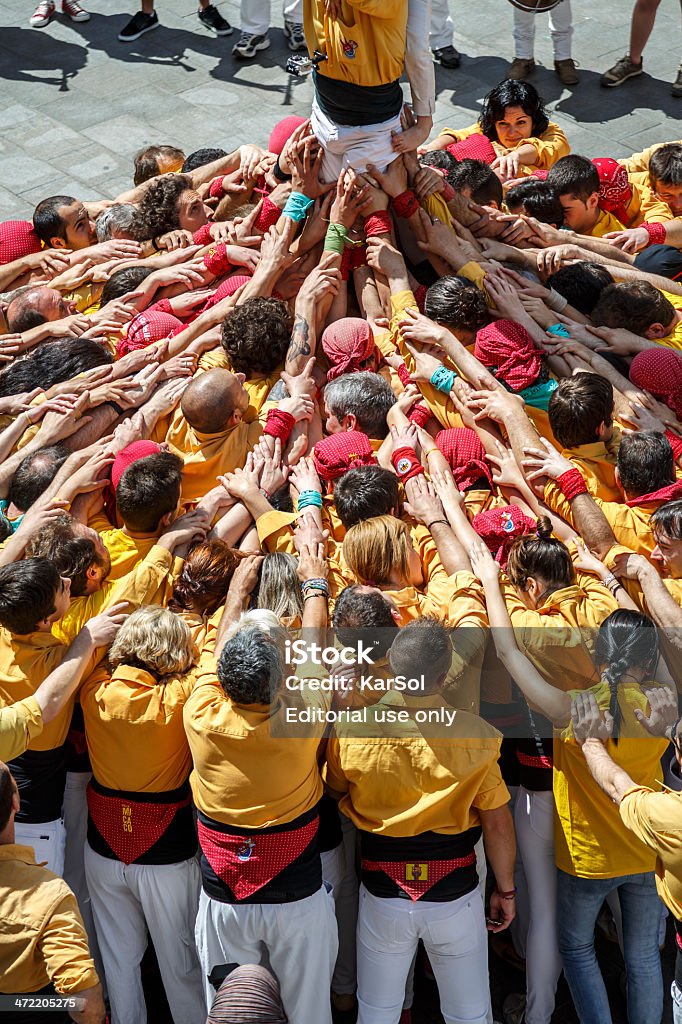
377, 548
154, 639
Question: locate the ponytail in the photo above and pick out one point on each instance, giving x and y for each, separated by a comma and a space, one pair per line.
626, 640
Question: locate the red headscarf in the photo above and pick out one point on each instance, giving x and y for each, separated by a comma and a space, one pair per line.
127, 456
17, 239
147, 327
509, 347
282, 132
615, 190
659, 370
336, 454
228, 287
498, 528
474, 147
464, 451
347, 343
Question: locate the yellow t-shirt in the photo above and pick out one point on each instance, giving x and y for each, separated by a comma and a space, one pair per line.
656, 819
19, 723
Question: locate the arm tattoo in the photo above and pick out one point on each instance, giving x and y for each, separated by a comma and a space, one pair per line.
300, 343
277, 392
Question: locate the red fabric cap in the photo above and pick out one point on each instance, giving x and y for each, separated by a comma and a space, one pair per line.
509, 347
464, 450
147, 327
336, 454
659, 370
282, 132
475, 147
226, 288
615, 190
346, 344
17, 239
133, 453
498, 528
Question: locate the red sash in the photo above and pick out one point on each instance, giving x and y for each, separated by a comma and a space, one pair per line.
533, 760
670, 493
130, 827
247, 863
417, 877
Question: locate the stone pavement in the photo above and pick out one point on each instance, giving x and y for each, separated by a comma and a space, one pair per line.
75, 104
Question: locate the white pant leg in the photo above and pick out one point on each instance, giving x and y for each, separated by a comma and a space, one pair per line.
300, 939
524, 34
442, 27
387, 943
169, 897
533, 820
293, 11
255, 17
122, 936
48, 840
456, 941
418, 59
561, 29
75, 810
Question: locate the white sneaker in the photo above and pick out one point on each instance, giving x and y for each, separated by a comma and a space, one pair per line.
249, 45
42, 14
73, 10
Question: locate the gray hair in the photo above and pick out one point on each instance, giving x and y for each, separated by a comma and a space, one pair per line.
250, 666
367, 396
119, 217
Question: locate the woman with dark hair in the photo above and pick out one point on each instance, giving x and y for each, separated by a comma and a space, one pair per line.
594, 852
520, 136
201, 588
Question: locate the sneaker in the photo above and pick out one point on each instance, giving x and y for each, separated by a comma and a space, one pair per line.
293, 31
676, 88
73, 10
213, 19
138, 25
566, 70
520, 69
248, 46
42, 14
447, 57
621, 71
514, 1009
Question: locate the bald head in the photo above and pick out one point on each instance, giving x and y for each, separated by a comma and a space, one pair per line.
214, 401
36, 306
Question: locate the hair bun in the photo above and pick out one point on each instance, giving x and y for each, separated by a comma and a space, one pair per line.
544, 528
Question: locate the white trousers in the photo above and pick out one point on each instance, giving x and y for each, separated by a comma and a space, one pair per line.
560, 29
339, 871
353, 145
48, 840
533, 821
300, 941
441, 25
255, 15
456, 942
126, 901
75, 810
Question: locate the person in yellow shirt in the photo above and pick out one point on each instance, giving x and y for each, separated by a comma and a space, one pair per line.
653, 817
576, 179
648, 315
140, 854
595, 853
417, 835
43, 944
513, 118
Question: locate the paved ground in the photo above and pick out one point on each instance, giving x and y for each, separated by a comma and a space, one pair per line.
75, 104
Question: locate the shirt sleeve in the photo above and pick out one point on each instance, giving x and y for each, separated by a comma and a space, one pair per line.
64, 946
550, 146
492, 792
640, 811
19, 724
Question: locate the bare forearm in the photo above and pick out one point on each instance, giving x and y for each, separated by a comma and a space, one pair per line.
592, 524
606, 773
450, 550
500, 845
662, 607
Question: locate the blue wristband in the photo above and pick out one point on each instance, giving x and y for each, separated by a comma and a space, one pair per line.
297, 206
559, 331
306, 499
443, 379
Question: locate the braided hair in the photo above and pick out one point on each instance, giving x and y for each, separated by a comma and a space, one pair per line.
626, 640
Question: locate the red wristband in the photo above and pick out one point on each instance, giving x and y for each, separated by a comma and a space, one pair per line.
203, 235
572, 484
216, 188
346, 263
420, 414
406, 463
675, 444
656, 233
405, 205
216, 260
378, 223
448, 192
268, 216
279, 423
404, 375
358, 255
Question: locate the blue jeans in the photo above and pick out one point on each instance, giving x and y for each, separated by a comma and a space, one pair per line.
579, 901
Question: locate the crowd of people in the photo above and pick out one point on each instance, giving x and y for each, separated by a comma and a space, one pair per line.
341, 565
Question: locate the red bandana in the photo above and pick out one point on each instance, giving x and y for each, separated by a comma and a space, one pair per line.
464, 451
615, 191
509, 347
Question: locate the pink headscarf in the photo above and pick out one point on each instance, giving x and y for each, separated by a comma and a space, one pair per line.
509, 347
347, 343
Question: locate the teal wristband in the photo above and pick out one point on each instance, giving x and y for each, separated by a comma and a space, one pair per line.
335, 239
306, 499
559, 331
297, 206
443, 379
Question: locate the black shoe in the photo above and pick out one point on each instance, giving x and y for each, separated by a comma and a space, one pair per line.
447, 57
211, 18
138, 25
